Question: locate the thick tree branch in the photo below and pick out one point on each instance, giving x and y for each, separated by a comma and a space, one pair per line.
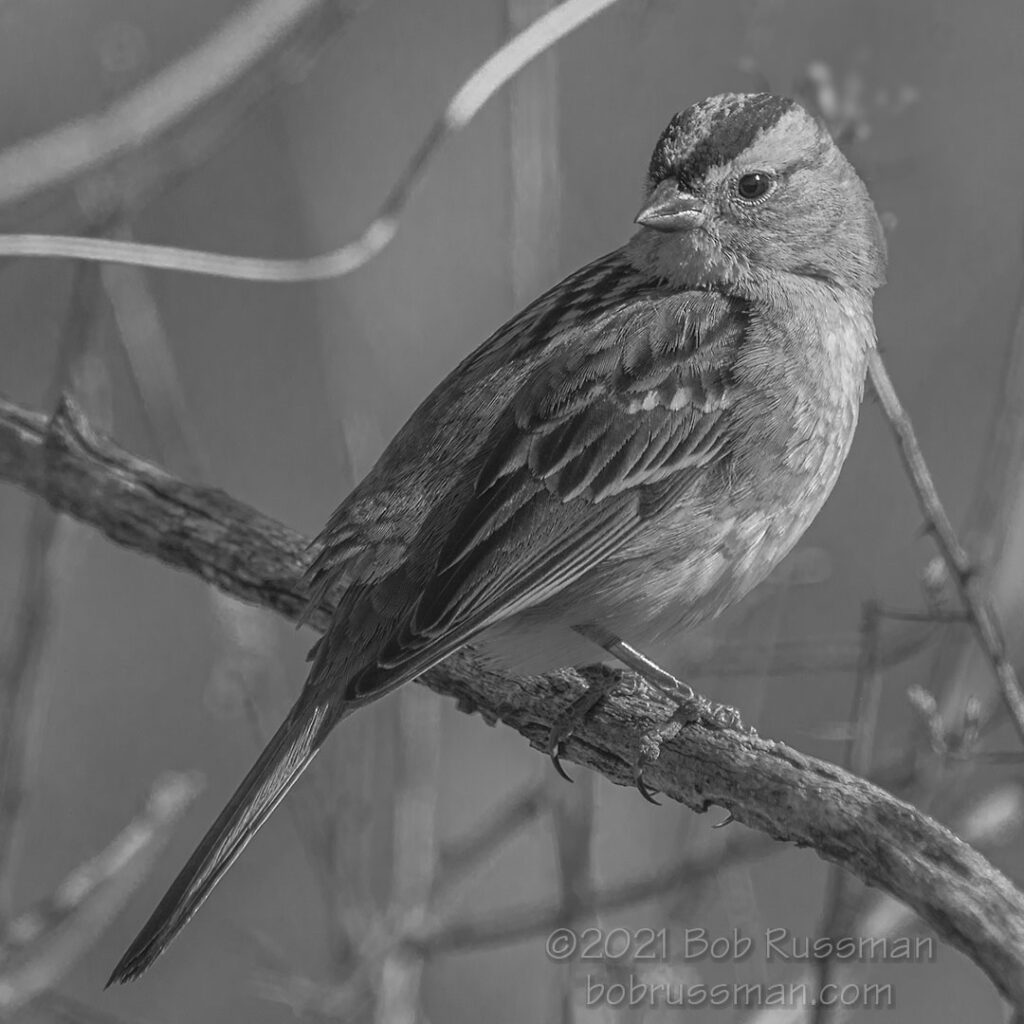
764, 784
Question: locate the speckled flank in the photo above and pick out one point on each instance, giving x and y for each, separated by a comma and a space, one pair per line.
714, 132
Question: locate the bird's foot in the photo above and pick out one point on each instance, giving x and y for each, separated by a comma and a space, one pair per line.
573, 716
691, 709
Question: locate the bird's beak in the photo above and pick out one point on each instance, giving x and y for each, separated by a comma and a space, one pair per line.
669, 208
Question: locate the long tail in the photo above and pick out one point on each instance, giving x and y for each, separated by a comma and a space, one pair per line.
285, 758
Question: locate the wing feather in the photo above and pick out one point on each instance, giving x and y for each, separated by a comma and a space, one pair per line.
586, 450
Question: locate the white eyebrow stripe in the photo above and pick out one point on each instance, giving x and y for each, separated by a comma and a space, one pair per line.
773, 147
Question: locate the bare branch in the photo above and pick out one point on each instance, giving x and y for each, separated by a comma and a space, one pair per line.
811, 656
166, 99
764, 784
864, 717
122, 186
414, 851
995, 531
46, 560
40, 945
498, 69
198, 529
516, 924
992, 820
461, 856
65, 1009
975, 597
535, 239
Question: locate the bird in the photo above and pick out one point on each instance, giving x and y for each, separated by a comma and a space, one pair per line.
624, 458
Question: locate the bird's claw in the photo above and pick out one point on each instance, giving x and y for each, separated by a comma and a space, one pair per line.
690, 710
555, 741
644, 790
566, 724
650, 750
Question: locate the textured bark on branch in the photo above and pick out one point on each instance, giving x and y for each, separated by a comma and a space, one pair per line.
763, 784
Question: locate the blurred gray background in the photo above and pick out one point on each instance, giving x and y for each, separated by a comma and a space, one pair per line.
288, 393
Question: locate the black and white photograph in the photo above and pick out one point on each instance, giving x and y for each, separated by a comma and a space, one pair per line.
511, 511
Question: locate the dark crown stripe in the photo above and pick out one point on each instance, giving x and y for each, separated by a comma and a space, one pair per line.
713, 132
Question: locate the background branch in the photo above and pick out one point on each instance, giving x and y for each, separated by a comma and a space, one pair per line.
763, 784
503, 65
975, 598
515, 924
123, 185
41, 944
994, 532
74, 150
49, 560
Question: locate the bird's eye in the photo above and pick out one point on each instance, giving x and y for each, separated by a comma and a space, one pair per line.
753, 186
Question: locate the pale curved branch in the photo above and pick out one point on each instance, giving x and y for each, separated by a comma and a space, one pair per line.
72, 150
498, 69
764, 784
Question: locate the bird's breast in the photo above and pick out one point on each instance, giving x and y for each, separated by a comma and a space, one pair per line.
799, 381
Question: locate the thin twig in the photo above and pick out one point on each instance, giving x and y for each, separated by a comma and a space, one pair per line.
18, 671
766, 785
164, 100
1002, 454
535, 236
153, 368
994, 524
814, 656
975, 598
65, 1009
864, 716
867, 693
414, 850
438, 934
247, 644
498, 69
572, 828
40, 945
516, 924
460, 857
21, 661
127, 184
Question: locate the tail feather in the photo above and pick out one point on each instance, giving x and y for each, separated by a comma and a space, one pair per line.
285, 758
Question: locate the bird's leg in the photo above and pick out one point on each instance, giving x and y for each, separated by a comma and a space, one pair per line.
690, 706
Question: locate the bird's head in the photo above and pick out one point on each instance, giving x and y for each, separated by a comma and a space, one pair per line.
744, 188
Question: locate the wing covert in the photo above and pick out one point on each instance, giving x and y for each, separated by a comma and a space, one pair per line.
601, 435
